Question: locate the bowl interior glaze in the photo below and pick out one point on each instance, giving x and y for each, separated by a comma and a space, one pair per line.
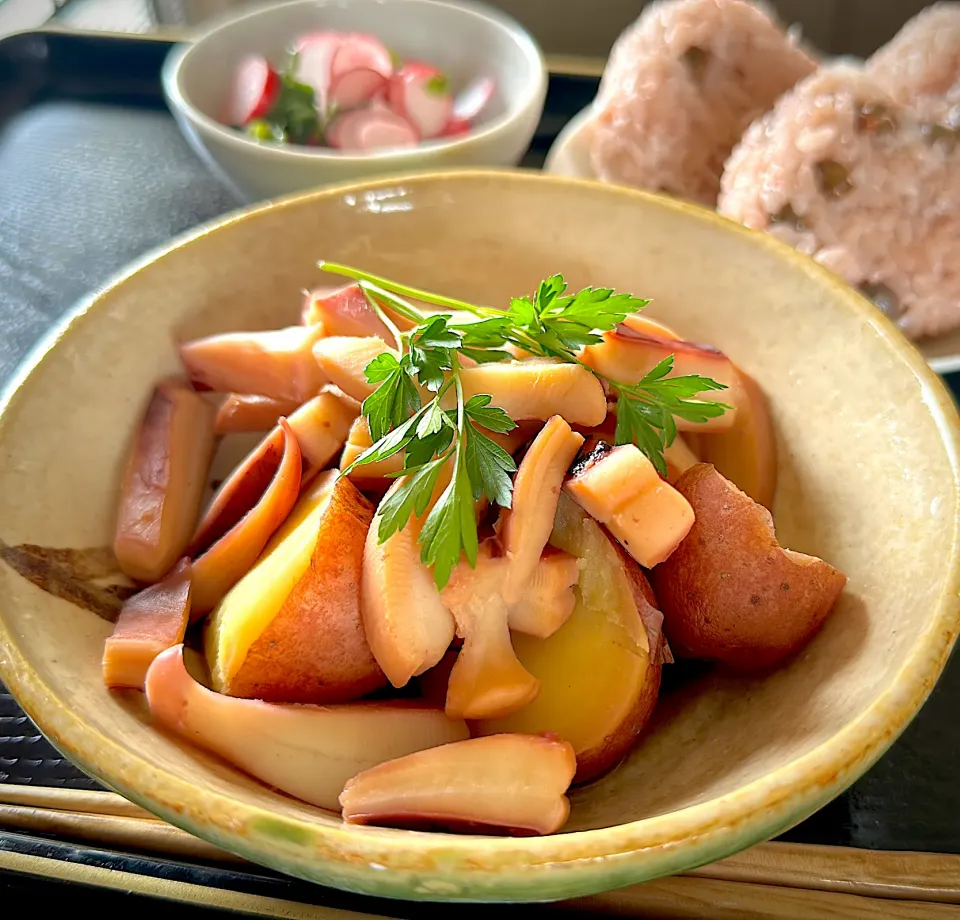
868, 480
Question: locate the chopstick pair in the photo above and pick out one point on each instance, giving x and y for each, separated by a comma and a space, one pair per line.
771, 880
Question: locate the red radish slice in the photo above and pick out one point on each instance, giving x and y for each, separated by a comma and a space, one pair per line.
474, 99
456, 126
380, 130
255, 89
419, 94
371, 129
315, 54
357, 50
354, 87
342, 131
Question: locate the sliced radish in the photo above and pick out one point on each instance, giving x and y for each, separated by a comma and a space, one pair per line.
380, 130
371, 129
456, 126
342, 131
474, 99
357, 50
354, 87
418, 93
315, 53
255, 90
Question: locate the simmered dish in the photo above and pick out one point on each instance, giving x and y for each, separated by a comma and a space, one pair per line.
442, 587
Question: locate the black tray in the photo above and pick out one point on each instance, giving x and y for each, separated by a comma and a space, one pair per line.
93, 172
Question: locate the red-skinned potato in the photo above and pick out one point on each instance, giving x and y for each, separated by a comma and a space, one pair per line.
290, 629
307, 751
729, 592
504, 784
164, 482
746, 454
233, 550
151, 621
599, 673
276, 362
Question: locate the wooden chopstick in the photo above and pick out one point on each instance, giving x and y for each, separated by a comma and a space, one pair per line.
685, 897
109, 819
874, 873
84, 801
146, 834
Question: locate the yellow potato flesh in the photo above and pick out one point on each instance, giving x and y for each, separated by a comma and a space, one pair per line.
256, 599
590, 670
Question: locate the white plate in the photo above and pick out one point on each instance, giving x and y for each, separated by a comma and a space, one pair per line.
569, 156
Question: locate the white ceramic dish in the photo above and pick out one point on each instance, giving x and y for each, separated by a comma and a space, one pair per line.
465, 40
569, 156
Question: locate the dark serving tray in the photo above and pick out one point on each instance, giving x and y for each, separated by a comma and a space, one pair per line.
93, 172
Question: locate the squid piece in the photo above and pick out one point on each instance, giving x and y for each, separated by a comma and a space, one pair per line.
525, 527
621, 489
513, 784
278, 362
240, 523
307, 751
150, 622
164, 482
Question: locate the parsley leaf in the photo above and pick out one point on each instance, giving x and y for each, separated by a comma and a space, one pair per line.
453, 442
411, 497
394, 400
489, 466
451, 527
479, 409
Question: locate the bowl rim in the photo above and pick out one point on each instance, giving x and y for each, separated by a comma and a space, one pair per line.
532, 95
526, 869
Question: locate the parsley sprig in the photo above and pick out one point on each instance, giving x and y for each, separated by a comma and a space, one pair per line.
408, 411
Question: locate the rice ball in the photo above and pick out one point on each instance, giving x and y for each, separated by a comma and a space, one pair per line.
920, 66
681, 85
844, 173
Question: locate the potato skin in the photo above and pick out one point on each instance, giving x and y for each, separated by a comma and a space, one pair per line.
729, 592
602, 758
315, 649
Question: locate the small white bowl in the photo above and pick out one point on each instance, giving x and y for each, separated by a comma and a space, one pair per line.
465, 40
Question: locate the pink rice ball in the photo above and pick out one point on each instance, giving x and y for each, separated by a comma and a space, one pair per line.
920, 66
681, 85
844, 173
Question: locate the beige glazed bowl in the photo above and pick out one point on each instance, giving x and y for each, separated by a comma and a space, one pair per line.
868, 479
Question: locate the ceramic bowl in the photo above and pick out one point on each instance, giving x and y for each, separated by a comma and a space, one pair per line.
465, 40
868, 479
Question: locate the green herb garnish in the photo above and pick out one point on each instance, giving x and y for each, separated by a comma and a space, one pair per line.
419, 406
293, 118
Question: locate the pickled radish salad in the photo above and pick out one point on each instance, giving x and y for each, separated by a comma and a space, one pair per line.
349, 91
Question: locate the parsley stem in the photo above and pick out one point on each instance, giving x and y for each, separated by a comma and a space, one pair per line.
393, 287
383, 315
406, 310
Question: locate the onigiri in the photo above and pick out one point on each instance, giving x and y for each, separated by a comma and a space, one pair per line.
847, 174
681, 85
